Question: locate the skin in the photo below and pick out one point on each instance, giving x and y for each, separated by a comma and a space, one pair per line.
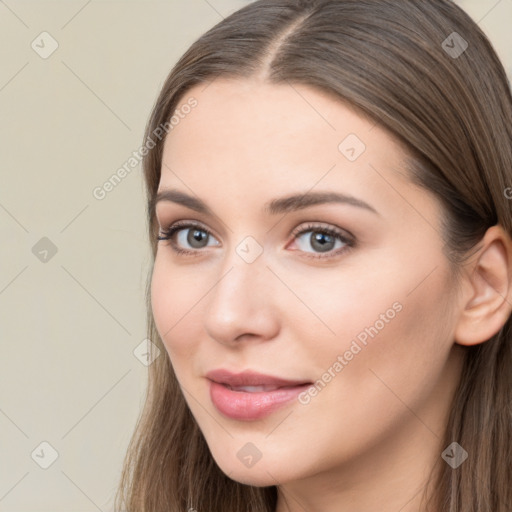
369, 438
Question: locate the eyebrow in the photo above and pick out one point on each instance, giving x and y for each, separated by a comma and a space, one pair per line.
273, 207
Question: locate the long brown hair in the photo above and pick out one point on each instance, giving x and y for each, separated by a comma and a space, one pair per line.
407, 67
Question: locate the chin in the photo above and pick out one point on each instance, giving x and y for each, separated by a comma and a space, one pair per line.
262, 473
253, 476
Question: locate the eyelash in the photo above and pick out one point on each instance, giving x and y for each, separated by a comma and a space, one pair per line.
166, 235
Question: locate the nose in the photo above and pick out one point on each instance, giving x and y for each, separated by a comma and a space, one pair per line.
242, 303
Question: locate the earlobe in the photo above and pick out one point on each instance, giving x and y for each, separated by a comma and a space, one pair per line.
487, 305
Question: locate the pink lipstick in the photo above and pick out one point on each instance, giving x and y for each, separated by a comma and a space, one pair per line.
249, 395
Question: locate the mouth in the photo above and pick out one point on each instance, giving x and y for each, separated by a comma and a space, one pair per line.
250, 396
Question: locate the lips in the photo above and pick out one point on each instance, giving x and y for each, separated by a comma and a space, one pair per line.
249, 379
250, 396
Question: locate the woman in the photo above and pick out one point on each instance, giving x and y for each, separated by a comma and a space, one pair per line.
331, 230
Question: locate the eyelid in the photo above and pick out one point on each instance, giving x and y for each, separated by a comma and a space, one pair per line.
319, 226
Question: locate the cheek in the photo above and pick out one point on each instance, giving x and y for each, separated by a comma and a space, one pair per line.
395, 371
394, 317
405, 355
175, 301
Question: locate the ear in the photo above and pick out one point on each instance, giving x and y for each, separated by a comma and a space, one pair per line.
487, 296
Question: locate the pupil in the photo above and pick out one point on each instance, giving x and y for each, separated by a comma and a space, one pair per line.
324, 240
197, 236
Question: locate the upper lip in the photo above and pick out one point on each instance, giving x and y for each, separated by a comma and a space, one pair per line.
250, 378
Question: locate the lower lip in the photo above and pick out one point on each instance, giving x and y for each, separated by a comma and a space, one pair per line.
245, 406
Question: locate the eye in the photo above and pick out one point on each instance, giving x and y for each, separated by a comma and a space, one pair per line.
323, 240
187, 233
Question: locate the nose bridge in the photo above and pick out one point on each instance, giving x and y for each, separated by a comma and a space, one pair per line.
243, 268
240, 301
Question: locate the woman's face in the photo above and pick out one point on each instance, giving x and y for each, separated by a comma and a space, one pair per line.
364, 312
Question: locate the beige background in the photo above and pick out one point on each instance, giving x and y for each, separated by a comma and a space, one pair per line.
70, 321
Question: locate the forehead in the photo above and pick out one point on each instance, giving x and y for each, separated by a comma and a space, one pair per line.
245, 130
271, 112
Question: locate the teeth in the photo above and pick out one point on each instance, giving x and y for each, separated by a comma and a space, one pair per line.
252, 389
